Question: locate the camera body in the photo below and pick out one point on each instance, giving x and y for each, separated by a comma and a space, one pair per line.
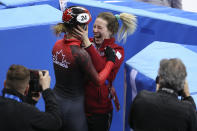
34, 83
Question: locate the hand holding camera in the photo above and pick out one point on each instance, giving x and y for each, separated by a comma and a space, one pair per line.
186, 89
39, 81
45, 79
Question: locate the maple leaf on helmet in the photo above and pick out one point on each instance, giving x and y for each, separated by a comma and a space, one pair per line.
76, 15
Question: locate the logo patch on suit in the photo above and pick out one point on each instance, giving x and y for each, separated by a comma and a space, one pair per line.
119, 56
59, 59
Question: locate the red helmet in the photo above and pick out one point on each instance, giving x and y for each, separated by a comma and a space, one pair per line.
75, 15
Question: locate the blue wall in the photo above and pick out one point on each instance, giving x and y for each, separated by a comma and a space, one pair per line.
155, 23
30, 43
26, 38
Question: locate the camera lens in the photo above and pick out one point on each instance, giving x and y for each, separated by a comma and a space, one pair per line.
43, 72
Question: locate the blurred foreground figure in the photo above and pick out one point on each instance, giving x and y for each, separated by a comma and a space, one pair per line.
170, 3
162, 110
18, 115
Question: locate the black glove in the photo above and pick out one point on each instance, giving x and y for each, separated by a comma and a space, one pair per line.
110, 54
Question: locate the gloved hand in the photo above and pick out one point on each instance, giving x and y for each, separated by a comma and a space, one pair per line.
110, 54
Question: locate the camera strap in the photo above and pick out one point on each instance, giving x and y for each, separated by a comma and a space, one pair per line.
10, 96
170, 91
112, 94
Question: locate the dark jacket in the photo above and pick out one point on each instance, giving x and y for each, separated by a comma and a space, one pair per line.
162, 111
20, 116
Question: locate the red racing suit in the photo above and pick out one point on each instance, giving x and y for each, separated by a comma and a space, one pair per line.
72, 65
73, 68
97, 99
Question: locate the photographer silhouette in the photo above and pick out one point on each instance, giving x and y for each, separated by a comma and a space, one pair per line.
16, 113
162, 110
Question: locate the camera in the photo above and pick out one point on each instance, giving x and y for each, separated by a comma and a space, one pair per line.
157, 80
34, 84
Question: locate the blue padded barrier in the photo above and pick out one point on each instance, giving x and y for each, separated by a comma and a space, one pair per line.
28, 16
20, 3
135, 82
26, 38
2, 6
142, 68
152, 8
154, 24
147, 61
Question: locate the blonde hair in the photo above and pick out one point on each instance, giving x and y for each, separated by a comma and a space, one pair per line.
64, 28
59, 28
128, 24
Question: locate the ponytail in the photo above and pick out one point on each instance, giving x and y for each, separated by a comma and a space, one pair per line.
128, 26
59, 28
